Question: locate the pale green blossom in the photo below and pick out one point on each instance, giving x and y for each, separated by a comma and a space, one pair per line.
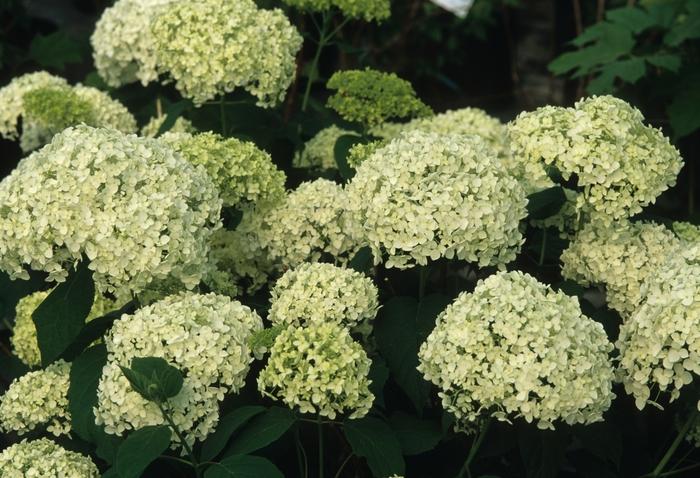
319, 151
43, 458
368, 10
686, 231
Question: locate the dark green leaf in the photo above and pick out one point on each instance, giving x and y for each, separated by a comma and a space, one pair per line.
242, 466
362, 261
545, 203
609, 43
55, 50
85, 373
61, 316
667, 61
629, 71
140, 449
11, 291
687, 27
542, 451
683, 110
633, 19
416, 435
374, 440
262, 430
154, 378
341, 149
378, 374
227, 426
11, 367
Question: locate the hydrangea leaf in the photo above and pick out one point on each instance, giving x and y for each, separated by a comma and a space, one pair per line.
416, 435
140, 449
154, 378
374, 440
85, 374
262, 430
242, 466
227, 426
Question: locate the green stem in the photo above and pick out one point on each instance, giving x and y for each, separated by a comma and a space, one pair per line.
674, 446
320, 447
181, 439
222, 105
302, 463
323, 40
474, 449
423, 273
680, 470
342, 466
544, 246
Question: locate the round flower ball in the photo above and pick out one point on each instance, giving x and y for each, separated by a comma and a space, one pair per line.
134, 207
204, 336
212, 47
318, 293
659, 345
424, 196
619, 256
318, 369
44, 458
516, 348
38, 398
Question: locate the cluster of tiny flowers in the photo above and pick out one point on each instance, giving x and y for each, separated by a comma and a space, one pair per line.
308, 224
620, 163
465, 121
368, 10
686, 231
133, 206
372, 97
361, 151
425, 196
516, 348
43, 458
659, 345
318, 369
318, 293
181, 125
319, 151
38, 398
243, 173
123, 46
620, 256
211, 47
204, 336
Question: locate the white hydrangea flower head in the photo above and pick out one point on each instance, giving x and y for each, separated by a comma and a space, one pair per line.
133, 206
620, 256
318, 293
659, 346
319, 151
181, 125
686, 231
318, 369
38, 398
244, 173
44, 458
620, 163
204, 336
24, 341
516, 348
124, 49
211, 47
308, 224
424, 196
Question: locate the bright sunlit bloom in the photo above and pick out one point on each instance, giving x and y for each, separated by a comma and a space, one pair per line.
44, 458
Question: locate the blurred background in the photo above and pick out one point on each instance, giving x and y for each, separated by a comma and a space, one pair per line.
504, 56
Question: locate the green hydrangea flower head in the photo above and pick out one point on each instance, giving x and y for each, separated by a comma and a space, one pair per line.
318, 369
243, 173
319, 151
46, 459
372, 97
212, 47
361, 151
368, 10
56, 108
516, 348
686, 231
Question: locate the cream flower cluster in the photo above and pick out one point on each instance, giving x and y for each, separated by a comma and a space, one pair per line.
308, 224
319, 151
38, 398
318, 293
204, 336
318, 369
659, 345
181, 125
211, 47
516, 348
425, 196
620, 163
687, 232
124, 49
24, 341
134, 207
368, 10
243, 173
620, 256
43, 458
47, 104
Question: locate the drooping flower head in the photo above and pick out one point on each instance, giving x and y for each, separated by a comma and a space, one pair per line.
368, 10
372, 97
38, 398
44, 458
135, 208
212, 47
516, 348
620, 163
318, 369
204, 336
659, 345
243, 173
620, 256
320, 293
425, 196
319, 151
